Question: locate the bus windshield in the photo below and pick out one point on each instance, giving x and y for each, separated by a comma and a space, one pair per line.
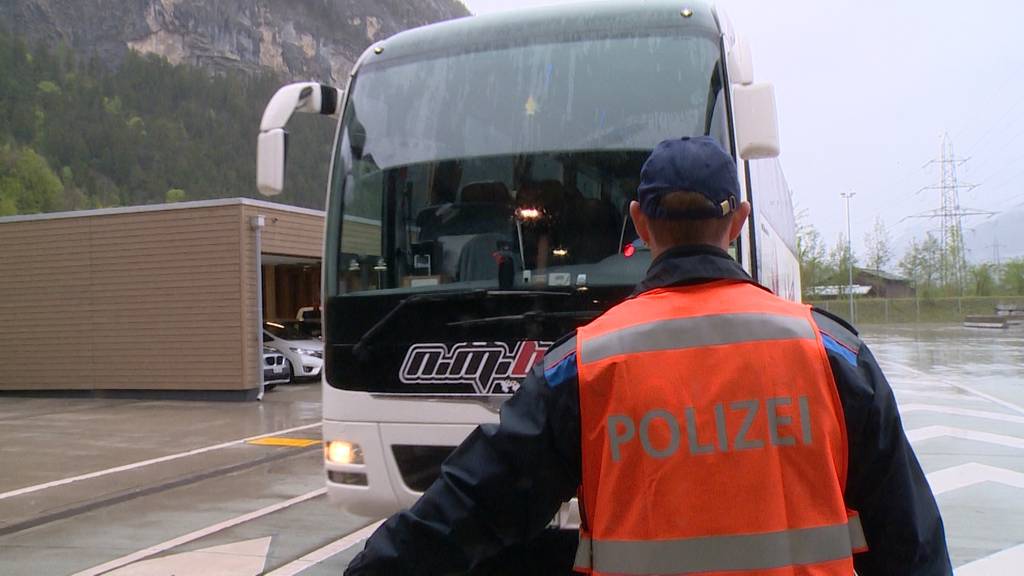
510, 166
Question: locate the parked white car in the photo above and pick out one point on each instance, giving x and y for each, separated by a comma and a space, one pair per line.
275, 369
300, 345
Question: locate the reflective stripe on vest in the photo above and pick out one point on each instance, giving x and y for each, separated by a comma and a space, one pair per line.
712, 438
721, 553
680, 333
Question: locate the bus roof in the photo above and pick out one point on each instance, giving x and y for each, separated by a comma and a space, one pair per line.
548, 23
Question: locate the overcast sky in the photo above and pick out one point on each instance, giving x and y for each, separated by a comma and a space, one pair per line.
865, 91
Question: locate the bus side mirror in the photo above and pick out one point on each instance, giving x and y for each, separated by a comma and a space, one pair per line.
741, 64
272, 143
271, 154
756, 118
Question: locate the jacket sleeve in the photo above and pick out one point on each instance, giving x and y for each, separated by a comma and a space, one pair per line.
885, 483
501, 487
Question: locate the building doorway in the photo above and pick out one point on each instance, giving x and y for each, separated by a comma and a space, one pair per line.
289, 284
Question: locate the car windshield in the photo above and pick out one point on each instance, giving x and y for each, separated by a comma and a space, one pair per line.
291, 330
511, 166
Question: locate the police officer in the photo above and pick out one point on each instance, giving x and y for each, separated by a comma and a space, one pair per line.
706, 425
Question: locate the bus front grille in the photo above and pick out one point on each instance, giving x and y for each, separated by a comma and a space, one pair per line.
420, 465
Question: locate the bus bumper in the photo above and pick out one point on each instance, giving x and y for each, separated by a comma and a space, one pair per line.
379, 485
374, 485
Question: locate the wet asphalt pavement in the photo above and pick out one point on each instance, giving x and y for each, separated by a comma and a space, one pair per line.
92, 486
961, 397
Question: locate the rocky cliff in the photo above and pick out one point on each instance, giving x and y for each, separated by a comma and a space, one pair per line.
300, 39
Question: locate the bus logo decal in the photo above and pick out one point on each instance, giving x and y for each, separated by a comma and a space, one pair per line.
490, 367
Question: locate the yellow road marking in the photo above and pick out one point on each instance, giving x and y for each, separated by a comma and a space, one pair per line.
279, 441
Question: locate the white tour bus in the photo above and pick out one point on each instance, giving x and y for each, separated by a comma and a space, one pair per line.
476, 210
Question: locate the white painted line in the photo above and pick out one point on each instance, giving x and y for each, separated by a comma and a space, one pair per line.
989, 397
245, 558
186, 538
965, 475
929, 432
979, 393
1008, 561
951, 396
140, 464
912, 370
320, 554
955, 411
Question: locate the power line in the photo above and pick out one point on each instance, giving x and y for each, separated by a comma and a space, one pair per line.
997, 123
1005, 147
1003, 182
966, 121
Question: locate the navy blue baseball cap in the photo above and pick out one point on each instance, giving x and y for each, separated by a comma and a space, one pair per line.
689, 165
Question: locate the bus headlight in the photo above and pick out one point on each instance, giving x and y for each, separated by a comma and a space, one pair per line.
341, 452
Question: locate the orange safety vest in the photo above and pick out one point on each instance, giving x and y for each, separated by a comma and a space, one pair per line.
712, 437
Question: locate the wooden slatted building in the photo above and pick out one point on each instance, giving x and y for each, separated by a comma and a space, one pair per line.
152, 297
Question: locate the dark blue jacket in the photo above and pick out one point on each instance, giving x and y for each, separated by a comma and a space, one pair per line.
502, 486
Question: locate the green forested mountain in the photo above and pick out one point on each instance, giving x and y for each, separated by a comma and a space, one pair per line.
75, 134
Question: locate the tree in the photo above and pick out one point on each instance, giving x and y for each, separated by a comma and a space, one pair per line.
1013, 276
26, 182
174, 195
74, 197
923, 264
910, 264
879, 246
984, 279
841, 258
8, 205
812, 254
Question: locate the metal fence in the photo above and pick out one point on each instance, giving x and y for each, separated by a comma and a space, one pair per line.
904, 310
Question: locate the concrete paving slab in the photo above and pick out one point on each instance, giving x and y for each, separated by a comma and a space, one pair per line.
96, 537
982, 520
44, 506
72, 437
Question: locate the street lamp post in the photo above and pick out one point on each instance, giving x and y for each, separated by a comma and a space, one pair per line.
849, 248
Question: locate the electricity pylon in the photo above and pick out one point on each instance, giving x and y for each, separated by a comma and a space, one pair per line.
953, 267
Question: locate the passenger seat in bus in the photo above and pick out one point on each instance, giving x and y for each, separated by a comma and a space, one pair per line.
484, 211
490, 191
477, 259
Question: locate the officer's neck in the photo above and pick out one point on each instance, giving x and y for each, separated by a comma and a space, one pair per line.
657, 250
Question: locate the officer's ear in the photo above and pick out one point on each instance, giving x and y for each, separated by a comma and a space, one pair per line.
640, 222
739, 218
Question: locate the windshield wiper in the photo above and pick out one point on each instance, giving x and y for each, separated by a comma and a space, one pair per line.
531, 316
414, 299
386, 320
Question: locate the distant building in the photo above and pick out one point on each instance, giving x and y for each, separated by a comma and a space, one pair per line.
836, 291
884, 284
152, 298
